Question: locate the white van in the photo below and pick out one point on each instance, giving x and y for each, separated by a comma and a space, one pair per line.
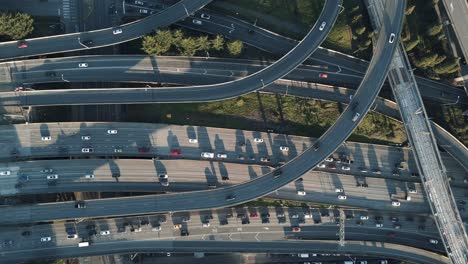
5, 173
207, 155
83, 244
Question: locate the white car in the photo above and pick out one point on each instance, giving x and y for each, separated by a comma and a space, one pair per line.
329, 159
433, 241
89, 176
52, 177
322, 26
105, 233
156, 229
207, 155
221, 155
143, 11
339, 190
322, 166
206, 225
205, 16
283, 148
137, 2
193, 140
86, 150
258, 140
5, 173
342, 197
308, 215
74, 236
395, 203
364, 217
83, 65
378, 225
117, 31
163, 176
355, 117
85, 138
346, 168
112, 131
412, 191
197, 22
391, 39
46, 239
46, 138
301, 193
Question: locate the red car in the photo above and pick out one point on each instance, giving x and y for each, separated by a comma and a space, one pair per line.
22, 44
332, 167
296, 229
144, 150
323, 75
253, 215
175, 152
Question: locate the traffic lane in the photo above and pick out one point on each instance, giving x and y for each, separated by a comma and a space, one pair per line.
352, 247
103, 37
230, 89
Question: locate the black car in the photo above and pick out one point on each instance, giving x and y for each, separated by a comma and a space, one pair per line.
245, 221
80, 204
277, 172
281, 220
225, 178
115, 175
90, 227
378, 218
265, 220
184, 232
51, 74
70, 230
300, 180
265, 215
26, 233
88, 42
223, 222
92, 232
317, 221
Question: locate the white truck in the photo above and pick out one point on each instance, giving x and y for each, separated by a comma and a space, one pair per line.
83, 244
207, 155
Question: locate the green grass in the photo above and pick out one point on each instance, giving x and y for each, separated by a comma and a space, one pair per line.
305, 117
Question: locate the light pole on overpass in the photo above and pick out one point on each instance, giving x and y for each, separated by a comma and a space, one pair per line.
81, 43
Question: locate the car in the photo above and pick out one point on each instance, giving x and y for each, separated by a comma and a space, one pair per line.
277, 173
301, 193
391, 235
207, 155
80, 204
284, 149
164, 182
74, 236
323, 75
433, 241
87, 150
294, 215
115, 175
322, 166
391, 39
364, 217
144, 149
112, 131
412, 190
355, 117
184, 232
137, 2
47, 170
265, 220
5, 173
85, 138
379, 225
175, 152
394, 219
197, 22
414, 174
135, 229
362, 185
104, 232
265, 159
162, 219
245, 221
225, 178
156, 229
186, 219
329, 159
193, 140
22, 44
240, 157
52, 177
117, 31
339, 190
118, 150
258, 140
376, 171
46, 239
89, 176
342, 197
322, 26
83, 65
221, 155
332, 167
296, 229
230, 197
144, 11
88, 42
316, 146
362, 169
26, 233
396, 173
346, 168
163, 176
51, 74
395, 203
46, 138
397, 226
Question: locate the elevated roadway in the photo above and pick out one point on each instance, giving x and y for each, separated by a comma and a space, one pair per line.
102, 37
251, 190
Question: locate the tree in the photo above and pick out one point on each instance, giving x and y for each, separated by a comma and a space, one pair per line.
203, 43
449, 66
218, 43
434, 30
15, 26
410, 9
360, 30
177, 37
411, 44
235, 47
159, 43
188, 47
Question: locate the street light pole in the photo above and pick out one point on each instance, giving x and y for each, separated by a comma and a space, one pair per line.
63, 79
81, 43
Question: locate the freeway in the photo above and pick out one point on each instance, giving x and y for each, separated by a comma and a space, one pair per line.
222, 197
458, 13
102, 37
227, 90
228, 224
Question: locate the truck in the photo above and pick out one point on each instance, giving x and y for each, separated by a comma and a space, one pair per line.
207, 155
396, 197
83, 244
304, 255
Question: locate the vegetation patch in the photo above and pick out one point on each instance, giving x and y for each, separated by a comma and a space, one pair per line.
14, 26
